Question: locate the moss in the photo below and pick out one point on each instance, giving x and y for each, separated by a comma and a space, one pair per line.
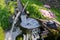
1, 34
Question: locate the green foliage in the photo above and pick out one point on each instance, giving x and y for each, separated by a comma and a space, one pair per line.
2, 4
11, 6
4, 14
33, 8
56, 12
4, 18
1, 34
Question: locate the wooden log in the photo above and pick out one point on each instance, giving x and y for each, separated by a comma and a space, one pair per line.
57, 22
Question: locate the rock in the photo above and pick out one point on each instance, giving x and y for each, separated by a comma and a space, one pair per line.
13, 35
47, 6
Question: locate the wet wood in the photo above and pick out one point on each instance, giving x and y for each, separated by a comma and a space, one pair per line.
48, 28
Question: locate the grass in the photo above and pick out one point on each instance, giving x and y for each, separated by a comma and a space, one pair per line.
33, 8
3, 18
5, 12
56, 12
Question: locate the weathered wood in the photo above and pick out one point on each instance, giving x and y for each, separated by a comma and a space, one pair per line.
57, 22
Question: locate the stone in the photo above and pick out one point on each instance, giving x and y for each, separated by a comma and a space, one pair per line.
13, 35
47, 6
